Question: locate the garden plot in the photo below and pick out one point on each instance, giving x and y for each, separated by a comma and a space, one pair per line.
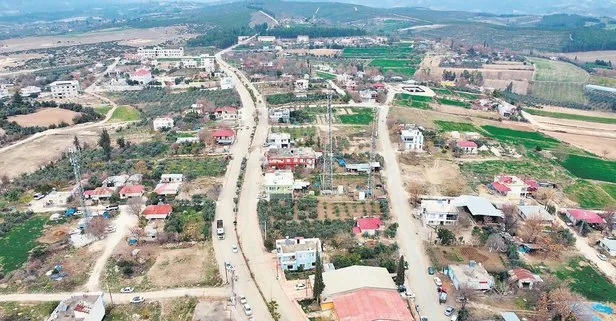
437, 176
442, 256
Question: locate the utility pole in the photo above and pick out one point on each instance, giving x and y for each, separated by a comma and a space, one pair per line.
109, 290
327, 177
74, 157
370, 186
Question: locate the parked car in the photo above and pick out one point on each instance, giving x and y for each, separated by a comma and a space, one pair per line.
431, 270
39, 196
438, 281
408, 294
602, 257
417, 308
137, 299
127, 289
112, 207
247, 309
454, 317
449, 311
300, 286
243, 299
234, 248
424, 318
228, 266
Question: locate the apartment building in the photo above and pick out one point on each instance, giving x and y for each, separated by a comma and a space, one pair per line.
297, 253
64, 89
158, 52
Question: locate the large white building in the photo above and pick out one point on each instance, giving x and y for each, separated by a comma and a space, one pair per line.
163, 123
438, 212
30, 90
64, 89
279, 140
86, 307
158, 52
279, 184
205, 62
297, 253
412, 139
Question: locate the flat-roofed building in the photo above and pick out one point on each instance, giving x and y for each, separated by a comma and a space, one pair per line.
158, 52
64, 89
438, 212
86, 307
297, 253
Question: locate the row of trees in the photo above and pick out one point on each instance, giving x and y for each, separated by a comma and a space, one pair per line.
314, 32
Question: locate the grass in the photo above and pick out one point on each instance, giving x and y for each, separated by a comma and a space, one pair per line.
586, 281
378, 51
404, 71
17, 243
449, 126
27, 311
442, 91
559, 91
326, 75
467, 95
528, 139
360, 116
103, 109
210, 166
593, 119
610, 189
603, 81
590, 167
125, 113
558, 71
538, 168
588, 195
394, 63
407, 100
296, 132
451, 102
126, 312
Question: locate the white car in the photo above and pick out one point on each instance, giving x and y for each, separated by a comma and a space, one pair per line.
247, 309
127, 289
300, 286
234, 248
438, 281
602, 257
449, 311
243, 299
137, 299
228, 266
407, 294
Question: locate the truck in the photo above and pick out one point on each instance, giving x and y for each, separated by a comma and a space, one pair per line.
220, 230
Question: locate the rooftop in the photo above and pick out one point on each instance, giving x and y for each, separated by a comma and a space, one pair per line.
64, 82
510, 316
535, 212
369, 223
298, 244
477, 206
439, 206
356, 277
291, 152
466, 144
278, 178
75, 308
371, 304
131, 189
278, 136
524, 274
467, 272
223, 132
610, 243
411, 132
157, 209
586, 215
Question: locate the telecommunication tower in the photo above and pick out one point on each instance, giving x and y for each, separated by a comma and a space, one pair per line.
327, 179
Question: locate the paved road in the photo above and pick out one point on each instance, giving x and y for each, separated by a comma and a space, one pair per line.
270, 17
411, 244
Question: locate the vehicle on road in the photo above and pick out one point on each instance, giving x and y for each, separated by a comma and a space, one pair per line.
234, 248
602, 257
137, 299
438, 281
300, 286
424, 318
228, 266
127, 289
431, 270
449, 311
112, 207
401, 288
247, 309
417, 307
243, 299
408, 294
39, 196
220, 230
454, 318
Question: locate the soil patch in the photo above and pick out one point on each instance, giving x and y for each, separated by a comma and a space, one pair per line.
45, 117
193, 268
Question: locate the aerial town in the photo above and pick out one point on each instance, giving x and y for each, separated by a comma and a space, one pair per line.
272, 160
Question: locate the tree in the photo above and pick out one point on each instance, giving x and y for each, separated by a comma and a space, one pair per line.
319, 285
121, 142
415, 190
466, 294
104, 142
400, 272
532, 229
464, 314
510, 219
76, 143
135, 205
496, 242
97, 227
546, 195
610, 218
445, 236
272, 307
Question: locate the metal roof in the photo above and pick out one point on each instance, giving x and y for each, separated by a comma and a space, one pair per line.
478, 206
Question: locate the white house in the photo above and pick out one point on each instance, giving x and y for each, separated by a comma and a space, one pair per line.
64, 89
536, 212
30, 90
281, 115
158, 52
226, 113
412, 139
163, 123
467, 147
303, 39
171, 178
157, 211
279, 184
297, 253
279, 140
609, 245
301, 84
438, 212
226, 82
510, 186
142, 75
471, 275
82, 307
129, 191
266, 38
506, 109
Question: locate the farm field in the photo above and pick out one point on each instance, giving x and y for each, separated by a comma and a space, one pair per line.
560, 91
124, 113
448, 126
102, 109
610, 189
378, 51
588, 195
586, 281
451, 102
594, 119
606, 147
18, 242
536, 168
45, 117
558, 71
297, 133
590, 167
359, 116
442, 256
325, 75
467, 95
211, 166
529, 139
603, 81
591, 56
407, 100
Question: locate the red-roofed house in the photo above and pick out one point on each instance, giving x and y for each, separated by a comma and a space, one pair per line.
367, 225
532, 185
524, 278
578, 215
289, 158
143, 76
226, 113
157, 211
467, 147
131, 191
99, 193
167, 188
378, 86
224, 136
371, 304
511, 186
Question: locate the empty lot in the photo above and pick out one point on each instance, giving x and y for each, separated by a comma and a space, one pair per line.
45, 117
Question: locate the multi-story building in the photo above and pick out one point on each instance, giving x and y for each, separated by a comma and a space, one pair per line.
64, 89
510, 186
85, 307
158, 52
163, 123
205, 62
279, 140
280, 115
226, 113
298, 253
289, 158
279, 185
438, 212
30, 90
224, 136
412, 139
303, 39
266, 38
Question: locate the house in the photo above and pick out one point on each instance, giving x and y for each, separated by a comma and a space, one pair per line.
281, 115
297, 253
510, 186
506, 109
115, 181
478, 207
186, 140
171, 178
350, 85
290, 158
64, 89
466, 147
167, 188
303, 39
266, 38
412, 140
279, 140
224, 136
158, 52
378, 78
579, 215
279, 185
368, 304
128, 191
438, 212
142, 75
161, 123
301, 84
99, 193
157, 211
378, 86
362, 167
609, 245
367, 225
226, 113
80, 307
29, 91
472, 275
524, 278
536, 212
368, 95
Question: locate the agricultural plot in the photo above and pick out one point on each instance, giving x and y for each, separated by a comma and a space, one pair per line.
610, 189
451, 102
379, 51
359, 116
326, 75
124, 113
449, 126
590, 167
407, 100
484, 172
103, 109
585, 280
405, 67
558, 71
588, 195
18, 242
467, 95
528, 139
593, 119
559, 91
603, 81
442, 91
193, 167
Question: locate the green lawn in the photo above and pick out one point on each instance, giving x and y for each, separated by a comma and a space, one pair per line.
360, 116
419, 102
590, 167
587, 282
103, 110
210, 166
394, 63
451, 102
27, 311
537, 168
378, 51
18, 242
594, 119
124, 113
467, 95
610, 189
326, 75
449, 126
558, 71
588, 195
414, 97
528, 139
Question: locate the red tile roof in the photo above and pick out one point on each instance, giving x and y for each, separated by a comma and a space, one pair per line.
586, 215
523, 274
378, 85
500, 187
164, 209
141, 72
100, 191
371, 304
531, 183
223, 132
466, 143
132, 189
372, 223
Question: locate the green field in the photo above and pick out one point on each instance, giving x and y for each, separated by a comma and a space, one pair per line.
558, 71
379, 51
326, 75
559, 91
124, 113
594, 119
103, 110
442, 91
603, 81
590, 167
538, 168
210, 166
610, 189
588, 195
404, 71
528, 139
17, 243
296, 132
360, 116
395, 63
467, 95
451, 102
406, 100
584, 280
449, 126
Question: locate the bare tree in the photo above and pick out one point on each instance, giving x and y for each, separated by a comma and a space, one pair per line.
466, 294
5, 180
206, 105
610, 218
532, 229
546, 195
510, 218
97, 227
453, 187
564, 303
464, 220
135, 205
137, 232
415, 190
496, 242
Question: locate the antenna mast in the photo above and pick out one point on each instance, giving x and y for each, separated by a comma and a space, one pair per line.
327, 181
74, 157
375, 115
